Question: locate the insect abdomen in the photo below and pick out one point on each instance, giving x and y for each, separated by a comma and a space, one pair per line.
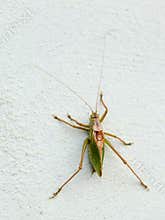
94, 157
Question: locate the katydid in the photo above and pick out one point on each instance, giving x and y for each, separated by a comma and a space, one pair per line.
96, 140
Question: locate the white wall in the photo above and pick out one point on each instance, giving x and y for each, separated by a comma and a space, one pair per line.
37, 153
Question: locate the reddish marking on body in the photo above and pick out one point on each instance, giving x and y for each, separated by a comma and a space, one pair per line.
99, 135
99, 139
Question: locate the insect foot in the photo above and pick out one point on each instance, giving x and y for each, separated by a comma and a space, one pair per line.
129, 143
69, 116
55, 194
145, 186
55, 117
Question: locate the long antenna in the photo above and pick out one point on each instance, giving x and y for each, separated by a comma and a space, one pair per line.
101, 70
65, 85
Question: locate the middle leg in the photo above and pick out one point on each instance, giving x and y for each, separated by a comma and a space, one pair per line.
116, 137
79, 123
73, 126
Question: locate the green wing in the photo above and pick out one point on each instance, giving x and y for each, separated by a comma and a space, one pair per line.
94, 157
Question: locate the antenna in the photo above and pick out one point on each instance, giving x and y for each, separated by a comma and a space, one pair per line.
101, 70
65, 85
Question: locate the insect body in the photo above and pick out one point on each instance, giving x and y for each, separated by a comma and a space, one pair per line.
97, 137
95, 142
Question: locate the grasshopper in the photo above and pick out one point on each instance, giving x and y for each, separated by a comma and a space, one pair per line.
96, 140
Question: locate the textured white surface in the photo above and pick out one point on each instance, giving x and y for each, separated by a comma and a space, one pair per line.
37, 153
